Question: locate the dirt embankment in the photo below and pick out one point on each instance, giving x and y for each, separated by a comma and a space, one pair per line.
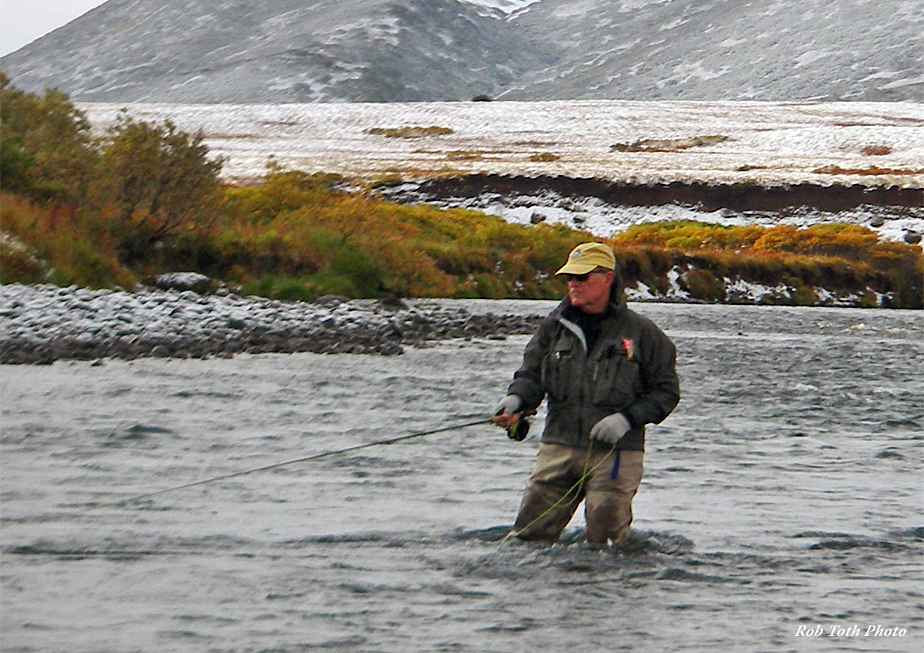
710, 197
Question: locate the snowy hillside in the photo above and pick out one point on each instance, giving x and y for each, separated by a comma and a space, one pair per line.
244, 51
729, 49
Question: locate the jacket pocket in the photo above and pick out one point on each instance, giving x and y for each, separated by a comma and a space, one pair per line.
616, 382
558, 371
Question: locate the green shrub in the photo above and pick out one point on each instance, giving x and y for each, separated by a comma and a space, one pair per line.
803, 296
46, 149
161, 181
360, 269
702, 284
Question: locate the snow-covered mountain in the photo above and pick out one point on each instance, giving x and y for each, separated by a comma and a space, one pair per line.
729, 49
247, 51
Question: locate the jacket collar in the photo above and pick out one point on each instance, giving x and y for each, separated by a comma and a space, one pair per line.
616, 306
564, 313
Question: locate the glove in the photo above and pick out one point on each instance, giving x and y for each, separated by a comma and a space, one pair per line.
610, 429
508, 405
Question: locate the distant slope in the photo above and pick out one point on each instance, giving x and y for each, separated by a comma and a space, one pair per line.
235, 51
729, 49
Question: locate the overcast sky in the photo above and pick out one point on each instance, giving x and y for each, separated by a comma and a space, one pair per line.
23, 21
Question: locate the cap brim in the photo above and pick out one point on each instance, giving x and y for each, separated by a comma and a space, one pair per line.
573, 267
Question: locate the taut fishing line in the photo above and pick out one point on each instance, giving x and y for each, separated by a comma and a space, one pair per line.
246, 472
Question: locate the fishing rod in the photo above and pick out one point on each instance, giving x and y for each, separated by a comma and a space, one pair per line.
264, 468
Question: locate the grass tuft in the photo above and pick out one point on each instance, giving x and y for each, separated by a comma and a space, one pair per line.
876, 150
668, 144
410, 131
544, 157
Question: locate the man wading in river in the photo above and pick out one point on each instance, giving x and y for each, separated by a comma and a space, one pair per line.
606, 372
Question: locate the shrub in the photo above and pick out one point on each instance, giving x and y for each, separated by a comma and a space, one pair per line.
18, 264
280, 287
802, 295
161, 181
46, 150
359, 267
69, 247
689, 234
844, 258
702, 284
15, 162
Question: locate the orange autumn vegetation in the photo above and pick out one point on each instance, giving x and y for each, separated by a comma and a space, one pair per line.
298, 236
841, 258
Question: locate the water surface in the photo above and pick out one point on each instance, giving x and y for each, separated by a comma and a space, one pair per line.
783, 493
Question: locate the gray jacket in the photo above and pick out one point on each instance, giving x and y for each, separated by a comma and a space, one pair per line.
630, 369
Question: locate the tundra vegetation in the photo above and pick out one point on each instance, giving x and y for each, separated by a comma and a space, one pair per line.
668, 144
410, 131
143, 199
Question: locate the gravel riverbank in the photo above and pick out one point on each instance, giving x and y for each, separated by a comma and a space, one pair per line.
44, 323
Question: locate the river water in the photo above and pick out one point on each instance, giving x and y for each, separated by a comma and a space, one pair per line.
781, 504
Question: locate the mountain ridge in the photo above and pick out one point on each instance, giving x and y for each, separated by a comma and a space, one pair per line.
234, 51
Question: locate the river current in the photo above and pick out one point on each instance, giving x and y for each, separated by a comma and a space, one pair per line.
781, 508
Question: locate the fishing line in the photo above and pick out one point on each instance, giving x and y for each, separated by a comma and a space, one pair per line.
576, 488
255, 470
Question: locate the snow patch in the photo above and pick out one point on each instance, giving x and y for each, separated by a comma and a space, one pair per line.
504, 6
684, 72
635, 5
386, 29
913, 81
811, 56
675, 291
640, 293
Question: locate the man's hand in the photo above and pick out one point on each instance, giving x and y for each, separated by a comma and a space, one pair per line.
610, 429
505, 413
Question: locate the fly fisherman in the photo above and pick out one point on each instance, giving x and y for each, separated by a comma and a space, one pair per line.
606, 372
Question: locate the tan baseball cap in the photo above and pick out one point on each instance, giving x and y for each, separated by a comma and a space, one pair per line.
587, 257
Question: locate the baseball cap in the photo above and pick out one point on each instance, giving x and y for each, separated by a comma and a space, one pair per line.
587, 257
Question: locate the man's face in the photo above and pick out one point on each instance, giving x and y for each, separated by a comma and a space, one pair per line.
590, 292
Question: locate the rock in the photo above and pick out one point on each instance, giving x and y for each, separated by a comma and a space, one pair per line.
393, 303
330, 300
182, 281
